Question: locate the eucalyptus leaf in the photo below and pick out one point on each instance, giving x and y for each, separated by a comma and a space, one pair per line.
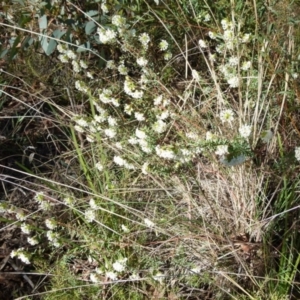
51, 47
235, 161
92, 13
43, 22
58, 33
84, 47
90, 27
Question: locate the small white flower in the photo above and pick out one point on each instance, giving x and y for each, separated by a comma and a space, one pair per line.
52, 236
227, 116
142, 61
120, 265
228, 36
104, 8
164, 115
20, 215
134, 276
89, 75
24, 257
158, 100
128, 109
93, 204
45, 205
118, 145
119, 161
234, 82
123, 70
51, 224
110, 64
159, 126
145, 146
110, 133
82, 122
89, 215
246, 65
209, 136
125, 228
233, 61
76, 66
112, 121
139, 116
133, 140
106, 35
39, 197
94, 277
222, 150
61, 48
71, 54
207, 18
90, 138
118, 20
25, 228
32, 241
149, 223
297, 153
140, 134
212, 35
79, 128
168, 56
163, 45
83, 64
246, 37
202, 44
245, 131
63, 58
144, 38
165, 153
192, 135
111, 275
69, 201
99, 166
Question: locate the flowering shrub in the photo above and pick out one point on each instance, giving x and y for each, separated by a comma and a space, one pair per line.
167, 120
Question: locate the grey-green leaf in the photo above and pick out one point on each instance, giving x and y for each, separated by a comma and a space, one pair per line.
43, 22
90, 27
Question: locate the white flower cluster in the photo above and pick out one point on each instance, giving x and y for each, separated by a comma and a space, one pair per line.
245, 131
118, 21
231, 37
43, 204
227, 115
51, 224
118, 160
21, 254
141, 139
163, 45
297, 153
144, 39
131, 90
118, 266
106, 36
222, 150
165, 153
54, 238
25, 228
